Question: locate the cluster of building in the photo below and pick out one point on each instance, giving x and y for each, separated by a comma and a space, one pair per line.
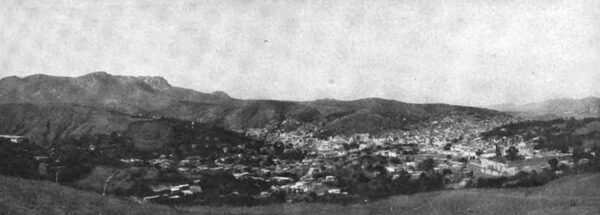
172, 192
454, 143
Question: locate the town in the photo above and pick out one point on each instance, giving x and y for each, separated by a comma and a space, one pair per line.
292, 166
296, 166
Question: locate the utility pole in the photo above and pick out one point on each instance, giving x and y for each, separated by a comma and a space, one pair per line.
57, 170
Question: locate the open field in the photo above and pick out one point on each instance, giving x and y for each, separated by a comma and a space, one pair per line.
570, 195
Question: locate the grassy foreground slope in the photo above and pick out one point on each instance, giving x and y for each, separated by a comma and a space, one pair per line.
21, 196
569, 195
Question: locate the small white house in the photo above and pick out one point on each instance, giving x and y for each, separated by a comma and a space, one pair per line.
14, 138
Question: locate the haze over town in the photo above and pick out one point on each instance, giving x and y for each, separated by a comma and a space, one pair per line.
458, 52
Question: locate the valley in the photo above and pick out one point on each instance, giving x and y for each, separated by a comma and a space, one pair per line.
193, 148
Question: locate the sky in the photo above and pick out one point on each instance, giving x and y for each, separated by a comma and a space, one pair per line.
469, 52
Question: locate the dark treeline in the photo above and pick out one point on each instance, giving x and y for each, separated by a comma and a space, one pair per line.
19, 159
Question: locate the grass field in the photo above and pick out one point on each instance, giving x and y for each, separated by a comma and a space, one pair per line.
20, 196
569, 195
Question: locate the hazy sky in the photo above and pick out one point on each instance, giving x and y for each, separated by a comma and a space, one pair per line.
460, 52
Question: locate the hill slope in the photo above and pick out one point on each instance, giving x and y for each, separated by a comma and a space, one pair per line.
579, 108
47, 123
154, 96
20, 196
569, 195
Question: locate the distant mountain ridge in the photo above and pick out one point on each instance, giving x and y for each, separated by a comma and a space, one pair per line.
151, 97
579, 108
127, 94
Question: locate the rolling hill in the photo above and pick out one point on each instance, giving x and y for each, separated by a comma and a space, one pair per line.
155, 97
579, 108
45, 124
131, 95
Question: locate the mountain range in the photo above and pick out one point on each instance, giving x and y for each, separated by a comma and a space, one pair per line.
52, 107
554, 108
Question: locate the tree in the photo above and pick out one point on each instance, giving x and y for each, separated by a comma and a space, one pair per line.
446, 172
352, 145
564, 148
553, 164
427, 165
479, 152
278, 148
498, 151
395, 160
512, 153
17, 159
577, 154
447, 147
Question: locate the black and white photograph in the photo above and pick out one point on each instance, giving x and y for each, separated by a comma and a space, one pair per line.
318, 107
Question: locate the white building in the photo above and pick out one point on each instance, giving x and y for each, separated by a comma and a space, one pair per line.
496, 168
14, 138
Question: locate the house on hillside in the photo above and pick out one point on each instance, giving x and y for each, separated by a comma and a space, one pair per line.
165, 192
159, 189
387, 153
15, 138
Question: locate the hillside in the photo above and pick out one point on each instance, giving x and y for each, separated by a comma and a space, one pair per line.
20, 196
375, 115
48, 123
45, 124
569, 195
579, 108
557, 134
155, 97
131, 95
